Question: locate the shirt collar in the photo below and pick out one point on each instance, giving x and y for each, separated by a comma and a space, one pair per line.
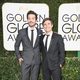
31, 28
50, 33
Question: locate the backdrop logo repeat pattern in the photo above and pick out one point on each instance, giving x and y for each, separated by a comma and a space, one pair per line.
14, 19
69, 25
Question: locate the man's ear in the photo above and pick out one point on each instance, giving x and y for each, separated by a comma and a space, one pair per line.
52, 25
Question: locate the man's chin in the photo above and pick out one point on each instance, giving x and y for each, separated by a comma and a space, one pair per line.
31, 25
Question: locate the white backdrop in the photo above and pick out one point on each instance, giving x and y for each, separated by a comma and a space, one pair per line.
14, 19
69, 25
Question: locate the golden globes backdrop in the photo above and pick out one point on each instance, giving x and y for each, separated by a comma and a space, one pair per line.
14, 19
69, 25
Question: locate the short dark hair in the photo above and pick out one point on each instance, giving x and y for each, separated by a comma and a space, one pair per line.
32, 12
46, 20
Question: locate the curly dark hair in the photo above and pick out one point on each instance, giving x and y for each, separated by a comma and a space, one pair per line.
32, 12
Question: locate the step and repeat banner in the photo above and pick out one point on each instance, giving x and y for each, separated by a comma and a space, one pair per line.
69, 25
15, 18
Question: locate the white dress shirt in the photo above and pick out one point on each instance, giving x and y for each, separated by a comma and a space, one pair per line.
34, 34
49, 39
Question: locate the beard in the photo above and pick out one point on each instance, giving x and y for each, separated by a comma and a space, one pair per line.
31, 24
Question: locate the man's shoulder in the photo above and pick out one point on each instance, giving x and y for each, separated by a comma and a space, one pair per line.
22, 30
57, 34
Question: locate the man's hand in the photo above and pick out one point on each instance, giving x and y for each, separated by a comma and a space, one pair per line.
20, 60
60, 65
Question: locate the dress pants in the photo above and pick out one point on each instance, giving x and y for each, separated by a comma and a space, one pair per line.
48, 74
29, 72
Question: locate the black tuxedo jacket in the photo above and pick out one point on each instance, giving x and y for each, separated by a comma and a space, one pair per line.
56, 52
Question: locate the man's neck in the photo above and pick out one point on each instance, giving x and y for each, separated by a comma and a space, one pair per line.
32, 28
47, 33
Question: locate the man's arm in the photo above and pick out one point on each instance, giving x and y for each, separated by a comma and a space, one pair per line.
17, 45
61, 51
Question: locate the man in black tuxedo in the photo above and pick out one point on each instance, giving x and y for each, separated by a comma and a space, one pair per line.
53, 52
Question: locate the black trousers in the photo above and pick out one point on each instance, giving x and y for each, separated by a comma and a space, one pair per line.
48, 74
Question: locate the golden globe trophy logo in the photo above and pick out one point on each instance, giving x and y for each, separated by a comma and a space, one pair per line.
15, 18
69, 25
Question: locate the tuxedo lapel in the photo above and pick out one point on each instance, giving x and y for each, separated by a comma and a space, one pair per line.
27, 34
42, 42
52, 38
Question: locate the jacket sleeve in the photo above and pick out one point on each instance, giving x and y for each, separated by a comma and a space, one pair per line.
17, 45
61, 50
